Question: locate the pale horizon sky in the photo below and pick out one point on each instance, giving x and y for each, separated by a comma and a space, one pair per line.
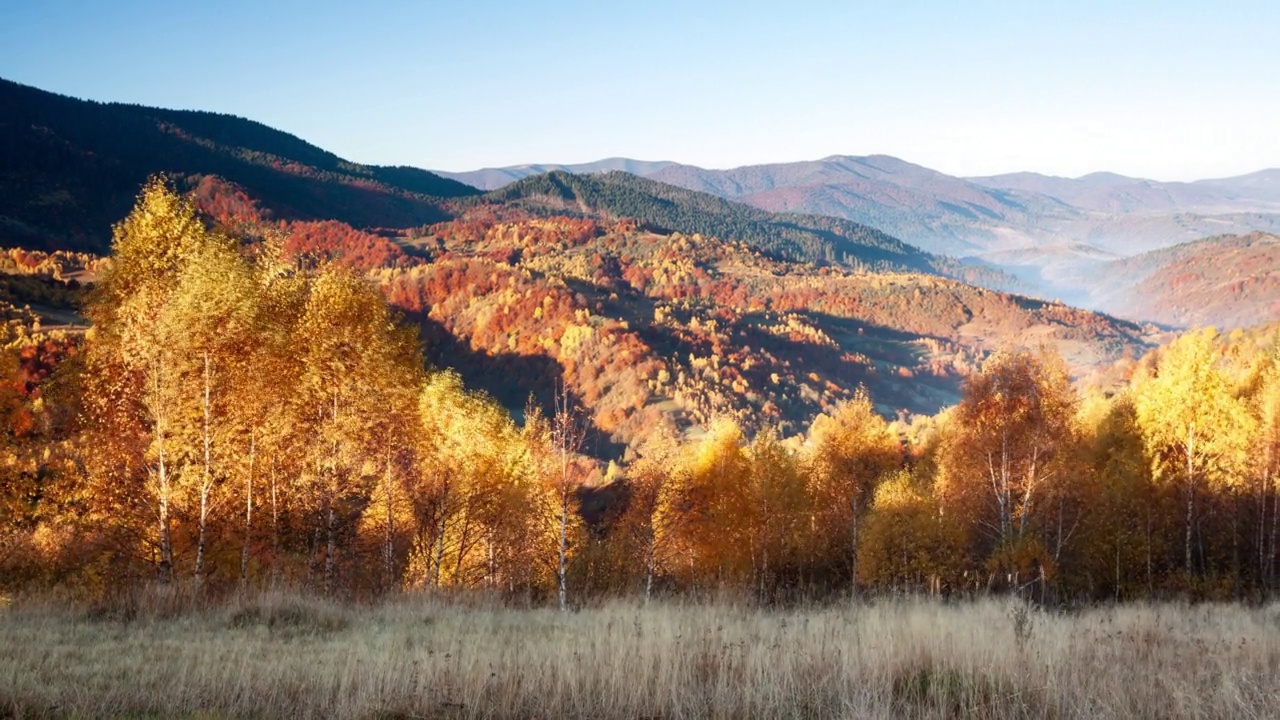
1164, 90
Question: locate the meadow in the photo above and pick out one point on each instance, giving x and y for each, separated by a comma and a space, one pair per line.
289, 655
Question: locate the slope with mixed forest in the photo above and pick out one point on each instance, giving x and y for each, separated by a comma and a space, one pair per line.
1230, 281
654, 326
70, 168
668, 208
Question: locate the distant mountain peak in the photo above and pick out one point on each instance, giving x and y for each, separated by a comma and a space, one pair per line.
496, 177
1104, 177
874, 159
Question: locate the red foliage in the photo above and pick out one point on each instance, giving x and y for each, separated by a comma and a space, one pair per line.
339, 242
227, 203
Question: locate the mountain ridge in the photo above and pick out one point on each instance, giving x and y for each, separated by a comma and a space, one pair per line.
493, 178
990, 214
70, 168
647, 167
1228, 281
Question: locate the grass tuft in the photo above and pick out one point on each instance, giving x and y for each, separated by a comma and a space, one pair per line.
289, 615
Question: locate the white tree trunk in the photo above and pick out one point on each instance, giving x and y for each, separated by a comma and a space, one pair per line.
564, 545
206, 479
387, 549
248, 511
1191, 491
165, 490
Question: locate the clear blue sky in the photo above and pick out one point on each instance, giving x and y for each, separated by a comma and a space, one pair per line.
1170, 90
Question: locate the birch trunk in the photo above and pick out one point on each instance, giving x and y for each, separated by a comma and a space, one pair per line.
165, 486
1191, 491
206, 478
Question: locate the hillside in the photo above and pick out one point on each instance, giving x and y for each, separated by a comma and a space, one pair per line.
70, 168
655, 328
662, 327
665, 207
1263, 185
1227, 281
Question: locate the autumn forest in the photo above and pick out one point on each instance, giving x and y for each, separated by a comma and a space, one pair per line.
250, 408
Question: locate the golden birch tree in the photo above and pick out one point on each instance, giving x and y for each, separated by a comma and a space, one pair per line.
1195, 432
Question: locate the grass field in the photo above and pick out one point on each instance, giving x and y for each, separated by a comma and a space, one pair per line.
287, 656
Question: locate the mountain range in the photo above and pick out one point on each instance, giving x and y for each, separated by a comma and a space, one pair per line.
662, 294
69, 169
1046, 230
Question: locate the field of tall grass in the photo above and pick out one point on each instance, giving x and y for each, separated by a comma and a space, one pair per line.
280, 655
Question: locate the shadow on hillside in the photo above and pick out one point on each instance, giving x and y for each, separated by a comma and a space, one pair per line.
510, 378
885, 351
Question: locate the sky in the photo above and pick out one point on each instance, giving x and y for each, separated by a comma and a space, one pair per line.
1167, 90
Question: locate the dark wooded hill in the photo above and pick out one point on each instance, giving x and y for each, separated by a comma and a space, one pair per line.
70, 168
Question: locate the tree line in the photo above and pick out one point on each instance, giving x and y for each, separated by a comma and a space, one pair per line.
235, 419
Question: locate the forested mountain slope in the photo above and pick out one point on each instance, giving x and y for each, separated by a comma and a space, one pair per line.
668, 208
70, 168
1230, 281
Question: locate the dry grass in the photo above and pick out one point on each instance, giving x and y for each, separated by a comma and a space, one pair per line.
284, 656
